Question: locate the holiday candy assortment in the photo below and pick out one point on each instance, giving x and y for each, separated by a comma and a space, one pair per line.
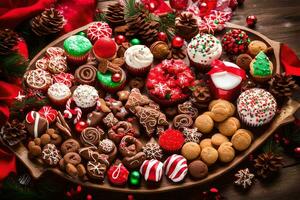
130, 107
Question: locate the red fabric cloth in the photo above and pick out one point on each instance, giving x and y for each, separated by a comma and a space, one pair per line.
219, 66
76, 12
7, 94
289, 61
7, 163
13, 12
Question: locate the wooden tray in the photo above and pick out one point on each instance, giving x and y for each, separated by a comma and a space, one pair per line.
286, 116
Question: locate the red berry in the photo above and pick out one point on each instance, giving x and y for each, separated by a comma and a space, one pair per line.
177, 42
251, 20
119, 39
116, 77
80, 126
89, 197
162, 36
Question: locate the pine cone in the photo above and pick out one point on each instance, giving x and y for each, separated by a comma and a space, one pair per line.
8, 40
282, 85
176, 53
247, 84
13, 132
142, 29
186, 25
201, 95
115, 15
267, 163
48, 22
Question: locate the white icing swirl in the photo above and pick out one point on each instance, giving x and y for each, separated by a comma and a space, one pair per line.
138, 56
204, 48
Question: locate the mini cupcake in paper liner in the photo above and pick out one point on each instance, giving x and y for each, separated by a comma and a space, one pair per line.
110, 81
202, 50
256, 107
77, 49
138, 59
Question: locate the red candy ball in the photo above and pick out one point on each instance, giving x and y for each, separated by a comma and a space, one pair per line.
251, 20
119, 39
105, 48
162, 36
80, 126
118, 174
179, 4
177, 42
233, 4
116, 77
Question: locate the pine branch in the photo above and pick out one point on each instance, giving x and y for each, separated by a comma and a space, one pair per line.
13, 65
167, 25
131, 8
272, 146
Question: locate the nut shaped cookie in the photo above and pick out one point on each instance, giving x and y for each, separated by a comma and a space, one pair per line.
204, 123
209, 155
241, 139
226, 152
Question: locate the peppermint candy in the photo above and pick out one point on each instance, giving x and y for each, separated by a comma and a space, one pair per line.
207, 25
152, 170
98, 30
176, 168
64, 78
48, 113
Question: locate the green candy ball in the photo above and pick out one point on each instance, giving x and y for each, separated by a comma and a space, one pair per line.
135, 41
81, 33
135, 178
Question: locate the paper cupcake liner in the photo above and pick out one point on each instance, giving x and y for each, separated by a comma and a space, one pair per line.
167, 102
60, 102
261, 79
200, 67
138, 71
77, 60
110, 89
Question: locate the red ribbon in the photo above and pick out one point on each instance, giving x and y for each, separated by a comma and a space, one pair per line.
289, 60
219, 66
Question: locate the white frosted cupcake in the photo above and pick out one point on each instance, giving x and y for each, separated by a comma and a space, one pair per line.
256, 107
203, 49
138, 59
85, 96
59, 93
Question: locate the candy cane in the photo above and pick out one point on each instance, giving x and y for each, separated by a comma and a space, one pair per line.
98, 107
79, 114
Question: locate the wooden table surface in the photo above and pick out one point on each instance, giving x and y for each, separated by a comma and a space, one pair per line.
279, 20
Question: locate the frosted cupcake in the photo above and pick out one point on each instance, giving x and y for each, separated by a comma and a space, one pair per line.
138, 59
59, 93
203, 49
256, 107
225, 84
77, 49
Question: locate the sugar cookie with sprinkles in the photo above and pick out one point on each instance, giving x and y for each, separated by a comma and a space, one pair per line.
203, 49
256, 107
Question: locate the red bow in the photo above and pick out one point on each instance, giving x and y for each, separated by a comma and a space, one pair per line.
219, 66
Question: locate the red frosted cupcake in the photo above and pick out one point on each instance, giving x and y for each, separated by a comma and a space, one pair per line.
168, 83
105, 48
171, 140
